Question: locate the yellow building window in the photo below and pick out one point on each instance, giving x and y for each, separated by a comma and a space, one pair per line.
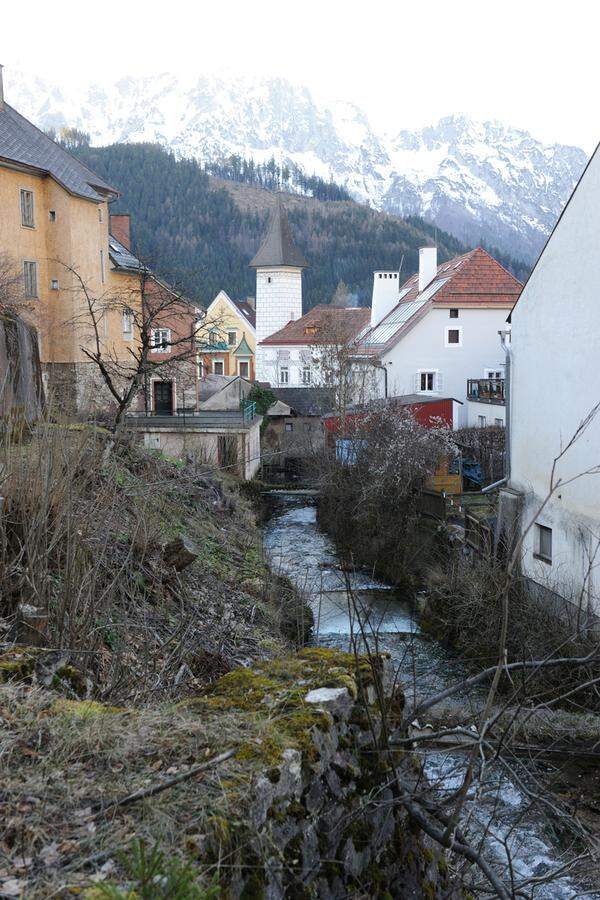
27, 219
30, 281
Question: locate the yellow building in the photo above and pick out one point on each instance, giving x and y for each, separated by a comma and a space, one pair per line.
229, 343
54, 218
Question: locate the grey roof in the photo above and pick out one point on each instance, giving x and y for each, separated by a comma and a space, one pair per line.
121, 257
278, 247
23, 143
400, 315
307, 401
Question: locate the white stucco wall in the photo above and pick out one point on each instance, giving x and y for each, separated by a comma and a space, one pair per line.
424, 347
554, 386
278, 301
494, 413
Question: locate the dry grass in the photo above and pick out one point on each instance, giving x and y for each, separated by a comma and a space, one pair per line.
62, 758
83, 537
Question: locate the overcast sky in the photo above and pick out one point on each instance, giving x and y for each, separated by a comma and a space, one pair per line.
528, 63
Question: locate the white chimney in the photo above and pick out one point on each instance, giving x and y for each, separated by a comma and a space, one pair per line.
386, 287
427, 266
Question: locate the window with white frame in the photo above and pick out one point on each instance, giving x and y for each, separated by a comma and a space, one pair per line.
213, 337
289, 426
427, 382
453, 337
27, 219
232, 338
30, 280
244, 368
481, 421
218, 367
543, 543
498, 423
128, 324
161, 340
284, 375
493, 373
306, 375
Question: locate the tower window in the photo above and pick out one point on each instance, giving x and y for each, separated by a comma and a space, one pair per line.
268, 279
52, 215
454, 314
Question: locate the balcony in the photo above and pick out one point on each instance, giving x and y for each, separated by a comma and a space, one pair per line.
189, 419
486, 390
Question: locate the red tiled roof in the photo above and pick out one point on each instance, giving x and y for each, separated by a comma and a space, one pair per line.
321, 324
475, 280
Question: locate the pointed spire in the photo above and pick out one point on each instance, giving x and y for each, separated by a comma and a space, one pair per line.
278, 247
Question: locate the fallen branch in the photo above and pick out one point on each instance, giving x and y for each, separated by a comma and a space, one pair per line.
487, 673
164, 785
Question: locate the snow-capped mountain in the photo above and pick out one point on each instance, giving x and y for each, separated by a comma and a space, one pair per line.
478, 180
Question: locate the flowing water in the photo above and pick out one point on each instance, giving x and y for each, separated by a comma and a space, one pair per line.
297, 547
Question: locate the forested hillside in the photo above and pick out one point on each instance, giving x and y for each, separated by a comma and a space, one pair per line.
202, 232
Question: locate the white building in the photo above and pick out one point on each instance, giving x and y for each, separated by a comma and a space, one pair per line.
554, 361
305, 352
438, 330
278, 265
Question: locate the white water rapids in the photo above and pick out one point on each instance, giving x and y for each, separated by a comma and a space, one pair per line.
502, 816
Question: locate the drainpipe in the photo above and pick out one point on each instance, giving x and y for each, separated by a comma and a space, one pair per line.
507, 378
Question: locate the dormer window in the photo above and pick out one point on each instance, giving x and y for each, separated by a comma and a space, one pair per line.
311, 329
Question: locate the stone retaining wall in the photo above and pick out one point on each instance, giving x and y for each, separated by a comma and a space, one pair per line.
321, 819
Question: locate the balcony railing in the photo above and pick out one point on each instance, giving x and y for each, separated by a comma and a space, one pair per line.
486, 390
183, 418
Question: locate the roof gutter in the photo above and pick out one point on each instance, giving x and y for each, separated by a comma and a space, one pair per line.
507, 392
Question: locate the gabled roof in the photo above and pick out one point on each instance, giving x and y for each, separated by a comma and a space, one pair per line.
241, 308
122, 258
322, 324
278, 247
247, 311
474, 280
23, 144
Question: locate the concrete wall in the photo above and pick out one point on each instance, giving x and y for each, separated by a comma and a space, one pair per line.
554, 386
204, 445
425, 348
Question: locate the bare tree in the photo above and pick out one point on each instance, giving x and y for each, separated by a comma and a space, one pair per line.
163, 329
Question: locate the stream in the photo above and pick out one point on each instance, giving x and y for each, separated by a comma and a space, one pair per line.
502, 816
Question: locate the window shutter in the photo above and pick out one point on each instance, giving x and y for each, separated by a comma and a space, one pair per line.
417, 382
439, 379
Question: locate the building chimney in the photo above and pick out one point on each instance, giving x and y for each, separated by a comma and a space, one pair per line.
427, 266
1, 88
251, 302
386, 288
120, 225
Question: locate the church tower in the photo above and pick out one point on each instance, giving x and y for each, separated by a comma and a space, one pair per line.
278, 265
